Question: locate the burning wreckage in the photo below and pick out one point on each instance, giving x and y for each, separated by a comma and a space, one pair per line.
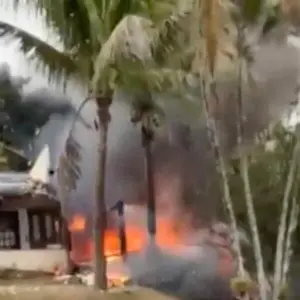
31, 240
195, 265
187, 259
190, 264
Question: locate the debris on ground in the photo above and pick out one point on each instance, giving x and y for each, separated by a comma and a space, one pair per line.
87, 278
78, 292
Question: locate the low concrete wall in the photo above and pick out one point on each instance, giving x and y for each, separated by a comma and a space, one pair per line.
45, 260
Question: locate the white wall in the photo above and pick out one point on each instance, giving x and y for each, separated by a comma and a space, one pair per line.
33, 260
27, 259
24, 229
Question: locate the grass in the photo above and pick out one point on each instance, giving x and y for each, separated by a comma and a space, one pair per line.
69, 292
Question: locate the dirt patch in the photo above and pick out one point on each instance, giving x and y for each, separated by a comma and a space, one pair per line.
60, 292
10, 277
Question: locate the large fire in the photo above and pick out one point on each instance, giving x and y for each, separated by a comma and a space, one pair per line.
167, 238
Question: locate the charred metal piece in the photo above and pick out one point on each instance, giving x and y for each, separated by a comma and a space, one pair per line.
119, 208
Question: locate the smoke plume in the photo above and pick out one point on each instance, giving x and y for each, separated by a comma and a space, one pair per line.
183, 157
182, 151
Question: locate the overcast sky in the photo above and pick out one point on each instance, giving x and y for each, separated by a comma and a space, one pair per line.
27, 19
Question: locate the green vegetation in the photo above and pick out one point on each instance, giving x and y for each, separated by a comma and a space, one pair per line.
186, 50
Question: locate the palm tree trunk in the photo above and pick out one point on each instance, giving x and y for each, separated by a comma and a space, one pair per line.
232, 218
282, 224
244, 167
119, 208
122, 230
253, 227
100, 214
215, 144
64, 198
66, 240
147, 139
288, 252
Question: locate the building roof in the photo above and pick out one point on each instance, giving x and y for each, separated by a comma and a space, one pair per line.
14, 183
18, 184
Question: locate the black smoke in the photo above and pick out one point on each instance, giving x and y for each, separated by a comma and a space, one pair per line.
182, 148
24, 114
189, 275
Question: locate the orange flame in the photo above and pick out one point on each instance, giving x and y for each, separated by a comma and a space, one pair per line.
167, 237
77, 224
136, 237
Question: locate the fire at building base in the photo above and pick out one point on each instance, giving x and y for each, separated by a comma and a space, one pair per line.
198, 266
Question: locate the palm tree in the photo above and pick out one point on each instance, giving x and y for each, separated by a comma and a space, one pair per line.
207, 64
244, 166
84, 27
102, 46
283, 235
245, 80
208, 55
145, 113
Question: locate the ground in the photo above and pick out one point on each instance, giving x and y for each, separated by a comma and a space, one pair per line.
69, 292
15, 285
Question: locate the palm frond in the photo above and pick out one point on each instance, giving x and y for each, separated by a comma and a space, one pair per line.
251, 10
129, 44
96, 24
272, 20
68, 19
159, 10
155, 79
136, 42
58, 63
169, 37
212, 34
13, 150
85, 25
69, 171
175, 87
